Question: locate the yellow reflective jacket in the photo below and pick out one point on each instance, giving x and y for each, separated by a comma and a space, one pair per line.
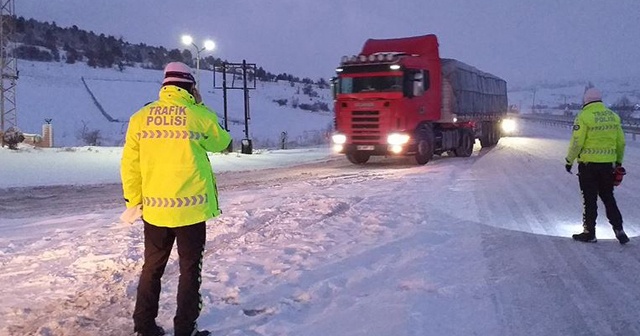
597, 136
164, 164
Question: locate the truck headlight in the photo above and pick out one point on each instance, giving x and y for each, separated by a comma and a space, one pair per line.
339, 139
398, 138
508, 126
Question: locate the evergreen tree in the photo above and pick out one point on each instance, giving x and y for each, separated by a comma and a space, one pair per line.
175, 55
187, 57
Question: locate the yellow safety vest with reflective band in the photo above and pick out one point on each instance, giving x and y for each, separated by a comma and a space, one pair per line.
165, 166
597, 136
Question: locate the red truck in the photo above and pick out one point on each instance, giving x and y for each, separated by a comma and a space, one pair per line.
399, 98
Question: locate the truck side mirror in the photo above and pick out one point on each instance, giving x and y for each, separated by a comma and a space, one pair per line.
334, 87
418, 84
407, 86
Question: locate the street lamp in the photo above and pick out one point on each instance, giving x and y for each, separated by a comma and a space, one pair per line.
208, 45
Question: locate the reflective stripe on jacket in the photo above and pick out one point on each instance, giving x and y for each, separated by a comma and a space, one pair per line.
597, 136
165, 166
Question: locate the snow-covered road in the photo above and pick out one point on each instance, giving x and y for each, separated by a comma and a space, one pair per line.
461, 246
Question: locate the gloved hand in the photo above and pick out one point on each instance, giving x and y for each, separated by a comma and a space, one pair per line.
618, 173
568, 167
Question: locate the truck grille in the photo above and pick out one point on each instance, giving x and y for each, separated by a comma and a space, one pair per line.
365, 126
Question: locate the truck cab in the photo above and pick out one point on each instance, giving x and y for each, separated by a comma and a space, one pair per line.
389, 101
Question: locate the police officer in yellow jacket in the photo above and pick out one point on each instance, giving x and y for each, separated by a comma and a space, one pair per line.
598, 145
165, 169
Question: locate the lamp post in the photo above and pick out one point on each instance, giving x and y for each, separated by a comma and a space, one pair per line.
208, 45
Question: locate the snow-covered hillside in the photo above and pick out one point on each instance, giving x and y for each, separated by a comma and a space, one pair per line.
558, 94
57, 91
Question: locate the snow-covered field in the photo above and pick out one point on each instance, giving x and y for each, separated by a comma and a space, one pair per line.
460, 246
56, 91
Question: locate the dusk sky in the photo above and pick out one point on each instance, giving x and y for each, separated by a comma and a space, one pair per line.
519, 40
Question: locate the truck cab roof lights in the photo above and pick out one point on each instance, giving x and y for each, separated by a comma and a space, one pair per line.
377, 57
389, 55
339, 69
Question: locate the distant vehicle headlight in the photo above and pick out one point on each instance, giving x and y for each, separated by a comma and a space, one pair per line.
398, 138
339, 139
508, 126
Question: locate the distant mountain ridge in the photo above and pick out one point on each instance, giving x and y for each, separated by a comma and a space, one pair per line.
562, 83
621, 95
47, 42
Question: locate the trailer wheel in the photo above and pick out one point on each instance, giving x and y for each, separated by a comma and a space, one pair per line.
467, 141
358, 157
488, 135
497, 133
425, 145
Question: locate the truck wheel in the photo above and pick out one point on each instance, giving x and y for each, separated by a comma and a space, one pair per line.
488, 135
497, 133
425, 146
358, 157
467, 141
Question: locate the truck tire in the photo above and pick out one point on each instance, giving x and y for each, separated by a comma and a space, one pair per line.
467, 140
497, 133
358, 157
425, 145
487, 139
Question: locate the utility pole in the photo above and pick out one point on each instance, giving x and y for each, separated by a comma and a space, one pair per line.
533, 103
8, 68
235, 69
247, 140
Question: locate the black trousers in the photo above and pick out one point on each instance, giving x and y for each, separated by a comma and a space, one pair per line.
596, 179
158, 243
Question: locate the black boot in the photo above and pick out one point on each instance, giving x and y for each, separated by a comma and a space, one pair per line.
622, 236
150, 331
586, 236
195, 332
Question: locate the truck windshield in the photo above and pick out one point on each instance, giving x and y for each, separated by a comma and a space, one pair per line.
370, 84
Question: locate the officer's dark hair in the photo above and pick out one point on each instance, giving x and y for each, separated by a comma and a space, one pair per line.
183, 85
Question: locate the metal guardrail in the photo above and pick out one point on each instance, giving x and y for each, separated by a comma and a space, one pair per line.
560, 120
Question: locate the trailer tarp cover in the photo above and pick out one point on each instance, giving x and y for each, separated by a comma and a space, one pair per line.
474, 91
